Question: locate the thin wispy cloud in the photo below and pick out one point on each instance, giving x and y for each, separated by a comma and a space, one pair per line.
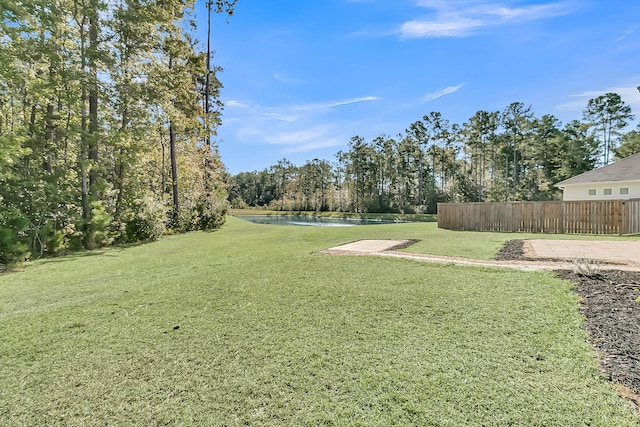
464, 18
313, 145
283, 117
333, 104
295, 128
439, 94
235, 104
282, 78
433, 96
628, 32
578, 102
293, 112
524, 13
306, 140
296, 137
452, 26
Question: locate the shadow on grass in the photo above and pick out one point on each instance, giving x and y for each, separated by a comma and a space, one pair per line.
110, 251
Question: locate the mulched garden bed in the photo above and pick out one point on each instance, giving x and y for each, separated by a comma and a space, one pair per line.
609, 302
513, 250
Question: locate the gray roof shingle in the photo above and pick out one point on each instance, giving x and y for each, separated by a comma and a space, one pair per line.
627, 169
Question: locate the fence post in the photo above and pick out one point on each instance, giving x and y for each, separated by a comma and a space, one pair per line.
623, 218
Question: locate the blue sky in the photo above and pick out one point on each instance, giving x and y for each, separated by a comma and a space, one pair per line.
301, 77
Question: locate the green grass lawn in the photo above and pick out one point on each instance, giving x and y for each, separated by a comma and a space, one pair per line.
248, 326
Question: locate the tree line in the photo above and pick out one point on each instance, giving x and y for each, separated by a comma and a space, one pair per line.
494, 156
107, 113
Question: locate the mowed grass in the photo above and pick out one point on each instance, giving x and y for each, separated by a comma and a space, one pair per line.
249, 326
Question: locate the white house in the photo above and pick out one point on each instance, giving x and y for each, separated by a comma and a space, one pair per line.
619, 180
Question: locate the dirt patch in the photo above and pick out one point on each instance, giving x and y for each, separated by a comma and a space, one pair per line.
404, 244
609, 303
513, 250
520, 250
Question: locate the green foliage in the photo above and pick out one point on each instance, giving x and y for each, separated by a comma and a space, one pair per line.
50, 241
14, 245
239, 203
96, 230
212, 210
205, 216
143, 219
629, 144
84, 159
607, 115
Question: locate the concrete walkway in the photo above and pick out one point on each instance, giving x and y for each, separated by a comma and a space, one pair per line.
610, 255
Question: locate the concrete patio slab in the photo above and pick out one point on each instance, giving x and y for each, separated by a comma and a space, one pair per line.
601, 250
370, 246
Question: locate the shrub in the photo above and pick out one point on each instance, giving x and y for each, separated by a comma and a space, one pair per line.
585, 267
96, 233
143, 219
14, 239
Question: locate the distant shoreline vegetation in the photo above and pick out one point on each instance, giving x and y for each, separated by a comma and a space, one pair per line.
340, 215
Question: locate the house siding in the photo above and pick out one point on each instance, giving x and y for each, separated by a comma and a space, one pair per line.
575, 192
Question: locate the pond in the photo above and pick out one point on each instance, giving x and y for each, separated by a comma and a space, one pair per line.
311, 220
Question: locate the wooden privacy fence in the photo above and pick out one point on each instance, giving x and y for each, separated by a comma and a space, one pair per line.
579, 217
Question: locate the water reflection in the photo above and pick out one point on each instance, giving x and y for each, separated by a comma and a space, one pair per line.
310, 220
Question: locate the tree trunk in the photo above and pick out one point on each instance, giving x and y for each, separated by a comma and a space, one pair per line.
174, 164
93, 104
174, 173
47, 165
82, 162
